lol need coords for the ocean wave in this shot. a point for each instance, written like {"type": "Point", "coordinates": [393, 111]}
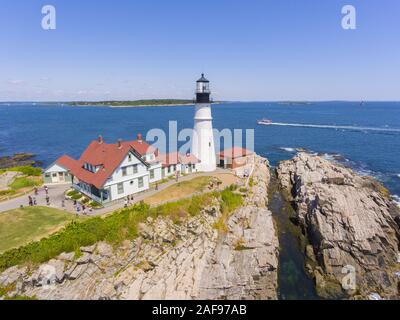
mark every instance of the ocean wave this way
{"type": "Point", "coordinates": [396, 199]}
{"type": "Point", "coordinates": [291, 150]}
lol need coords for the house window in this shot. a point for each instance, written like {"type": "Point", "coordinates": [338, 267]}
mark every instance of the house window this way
{"type": "Point", "coordinates": [169, 169]}
{"type": "Point", "coordinates": [47, 175]}
{"type": "Point", "coordinates": [54, 175]}
{"type": "Point", "coordinates": [129, 157]}
{"type": "Point", "coordinates": [120, 187]}
{"type": "Point", "coordinates": [151, 174]}
{"type": "Point", "coordinates": [124, 172]}
{"type": "Point", "coordinates": [174, 167]}
{"type": "Point", "coordinates": [135, 169]}
{"type": "Point", "coordinates": [140, 182]}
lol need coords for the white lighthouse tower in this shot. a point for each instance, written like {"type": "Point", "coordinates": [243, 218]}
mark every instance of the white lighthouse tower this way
{"type": "Point", "coordinates": [203, 136]}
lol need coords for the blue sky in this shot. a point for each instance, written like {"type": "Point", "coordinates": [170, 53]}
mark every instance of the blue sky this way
{"type": "Point", "coordinates": [249, 49]}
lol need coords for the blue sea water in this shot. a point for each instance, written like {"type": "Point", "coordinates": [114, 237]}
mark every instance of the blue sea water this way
{"type": "Point", "coordinates": [366, 136]}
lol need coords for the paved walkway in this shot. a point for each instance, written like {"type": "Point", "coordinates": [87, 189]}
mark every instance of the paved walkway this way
{"type": "Point", "coordinates": [57, 194]}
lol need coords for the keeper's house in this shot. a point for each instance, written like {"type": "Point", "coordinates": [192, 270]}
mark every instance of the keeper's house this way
{"type": "Point", "coordinates": [107, 172]}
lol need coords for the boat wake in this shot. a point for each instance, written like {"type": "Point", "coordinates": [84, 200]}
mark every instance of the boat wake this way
{"type": "Point", "coordinates": [321, 126]}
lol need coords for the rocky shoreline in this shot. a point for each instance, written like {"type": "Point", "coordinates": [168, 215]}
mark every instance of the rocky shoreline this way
{"type": "Point", "coordinates": [352, 226]}
{"type": "Point", "coordinates": [192, 260]}
{"type": "Point", "coordinates": [16, 160]}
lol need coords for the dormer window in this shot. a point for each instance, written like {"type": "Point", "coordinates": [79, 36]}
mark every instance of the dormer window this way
{"type": "Point", "coordinates": [130, 157]}
{"type": "Point", "coordinates": [90, 167]}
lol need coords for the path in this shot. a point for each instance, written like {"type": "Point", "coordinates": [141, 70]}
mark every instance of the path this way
{"type": "Point", "coordinates": [56, 194]}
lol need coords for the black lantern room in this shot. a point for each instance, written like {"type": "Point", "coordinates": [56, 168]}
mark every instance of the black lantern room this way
{"type": "Point", "coordinates": [203, 90]}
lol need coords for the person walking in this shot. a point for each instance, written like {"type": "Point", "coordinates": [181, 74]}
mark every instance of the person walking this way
{"type": "Point", "coordinates": [34, 201]}
{"type": "Point", "coordinates": [46, 189]}
{"type": "Point", "coordinates": [126, 203]}
{"type": "Point", "coordinates": [30, 201]}
{"type": "Point", "coordinates": [156, 185]}
{"type": "Point", "coordinates": [84, 209]}
{"type": "Point", "coordinates": [47, 200]}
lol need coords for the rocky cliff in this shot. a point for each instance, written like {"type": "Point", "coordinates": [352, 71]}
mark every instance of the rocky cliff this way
{"type": "Point", "coordinates": [350, 223]}
{"type": "Point", "coordinates": [191, 260]}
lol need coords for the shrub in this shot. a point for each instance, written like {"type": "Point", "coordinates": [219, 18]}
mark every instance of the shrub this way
{"type": "Point", "coordinates": [230, 201]}
{"type": "Point", "coordinates": [94, 204]}
{"type": "Point", "coordinates": [72, 193]}
{"type": "Point", "coordinates": [243, 190]}
{"type": "Point", "coordinates": [251, 182]}
{"type": "Point", "coordinates": [76, 196]}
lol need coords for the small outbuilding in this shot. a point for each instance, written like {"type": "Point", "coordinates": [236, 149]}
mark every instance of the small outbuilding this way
{"type": "Point", "coordinates": [235, 157]}
{"type": "Point", "coordinates": [56, 173]}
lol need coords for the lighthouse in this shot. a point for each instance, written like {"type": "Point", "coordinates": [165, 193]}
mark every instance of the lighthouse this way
{"type": "Point", "coordinates": [203, 136]}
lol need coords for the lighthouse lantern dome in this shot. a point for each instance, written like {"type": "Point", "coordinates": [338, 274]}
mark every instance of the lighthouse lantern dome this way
{"type": "Point", "coordinates": [203, 85]}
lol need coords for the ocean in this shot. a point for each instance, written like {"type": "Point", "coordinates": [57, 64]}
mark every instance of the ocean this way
{"type": "Point", "coordinates": [365, 137]}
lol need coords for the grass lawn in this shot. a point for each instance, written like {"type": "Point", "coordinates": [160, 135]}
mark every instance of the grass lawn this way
{"type": "Point", "coordinates": [178, 191]}
{"type": "Point", "coordinates": [20, 226]}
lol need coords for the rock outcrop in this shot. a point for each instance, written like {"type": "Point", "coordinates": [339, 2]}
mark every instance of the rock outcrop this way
{"type": "Point", "coordinates": [350, 222]}
{"type": "Point", "coordinates": [191, 260]}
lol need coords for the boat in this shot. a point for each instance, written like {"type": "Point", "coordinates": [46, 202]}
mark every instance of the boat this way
{"type": "Point", "coordinates": [264, 122]}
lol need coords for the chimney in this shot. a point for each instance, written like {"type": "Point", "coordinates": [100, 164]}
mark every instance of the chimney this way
{"type": "Point", "coordinates": [139, 138]}
{"type": "Point", "coordinates": [119, 143]}
{"type": "Point", "coordinates": [100, 139]}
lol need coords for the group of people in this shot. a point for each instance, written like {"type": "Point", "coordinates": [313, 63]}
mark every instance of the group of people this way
{"type": "Point", "coordinates": [128, 201]}
{"type": "Point", "coordinates": [79, 207]}
{"type": "Point", "coordinates": [32, 199]}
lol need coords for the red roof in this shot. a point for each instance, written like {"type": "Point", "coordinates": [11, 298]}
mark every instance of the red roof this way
{"type": "Point", "coordinates": [106, 156]}
{"type": "Point", "coordinates": [141, 146]}
{"type": "Point", "coordinates": [175, 158]}
{"type": "Point", "coordinates": [235, 152]}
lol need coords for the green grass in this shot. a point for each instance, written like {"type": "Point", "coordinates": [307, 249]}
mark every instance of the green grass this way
{"type": "Point", "coordinates": [113, 228]}
{"type": "Point", "coordinates": [26, 170]}
{"type": "Point", "coordinates": [24, 182]}
{"type": "Point", "coordinates": [19, 226]}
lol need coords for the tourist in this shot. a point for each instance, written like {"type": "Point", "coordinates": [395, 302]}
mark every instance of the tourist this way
{"type": "Point", "coordinates": [156, 185]}
{"type": "Point", "coordinates": [78, 208]}
{"type": "Point", "coordinates": [30, 201]}
{"type": "Point", "coordinates": [34, 201]}
{"type": "Point", "coordinates": [48, 200]}
{"type": "Point", "coordinates": [84, 209]}
{"type": "Point", "coordinates": [46, 189]}
{"type": "Point", "coordinates": [126, 203]}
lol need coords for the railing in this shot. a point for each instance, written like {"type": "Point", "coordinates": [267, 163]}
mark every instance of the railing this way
{"type": "Point", "coordinates": [85, 192]}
